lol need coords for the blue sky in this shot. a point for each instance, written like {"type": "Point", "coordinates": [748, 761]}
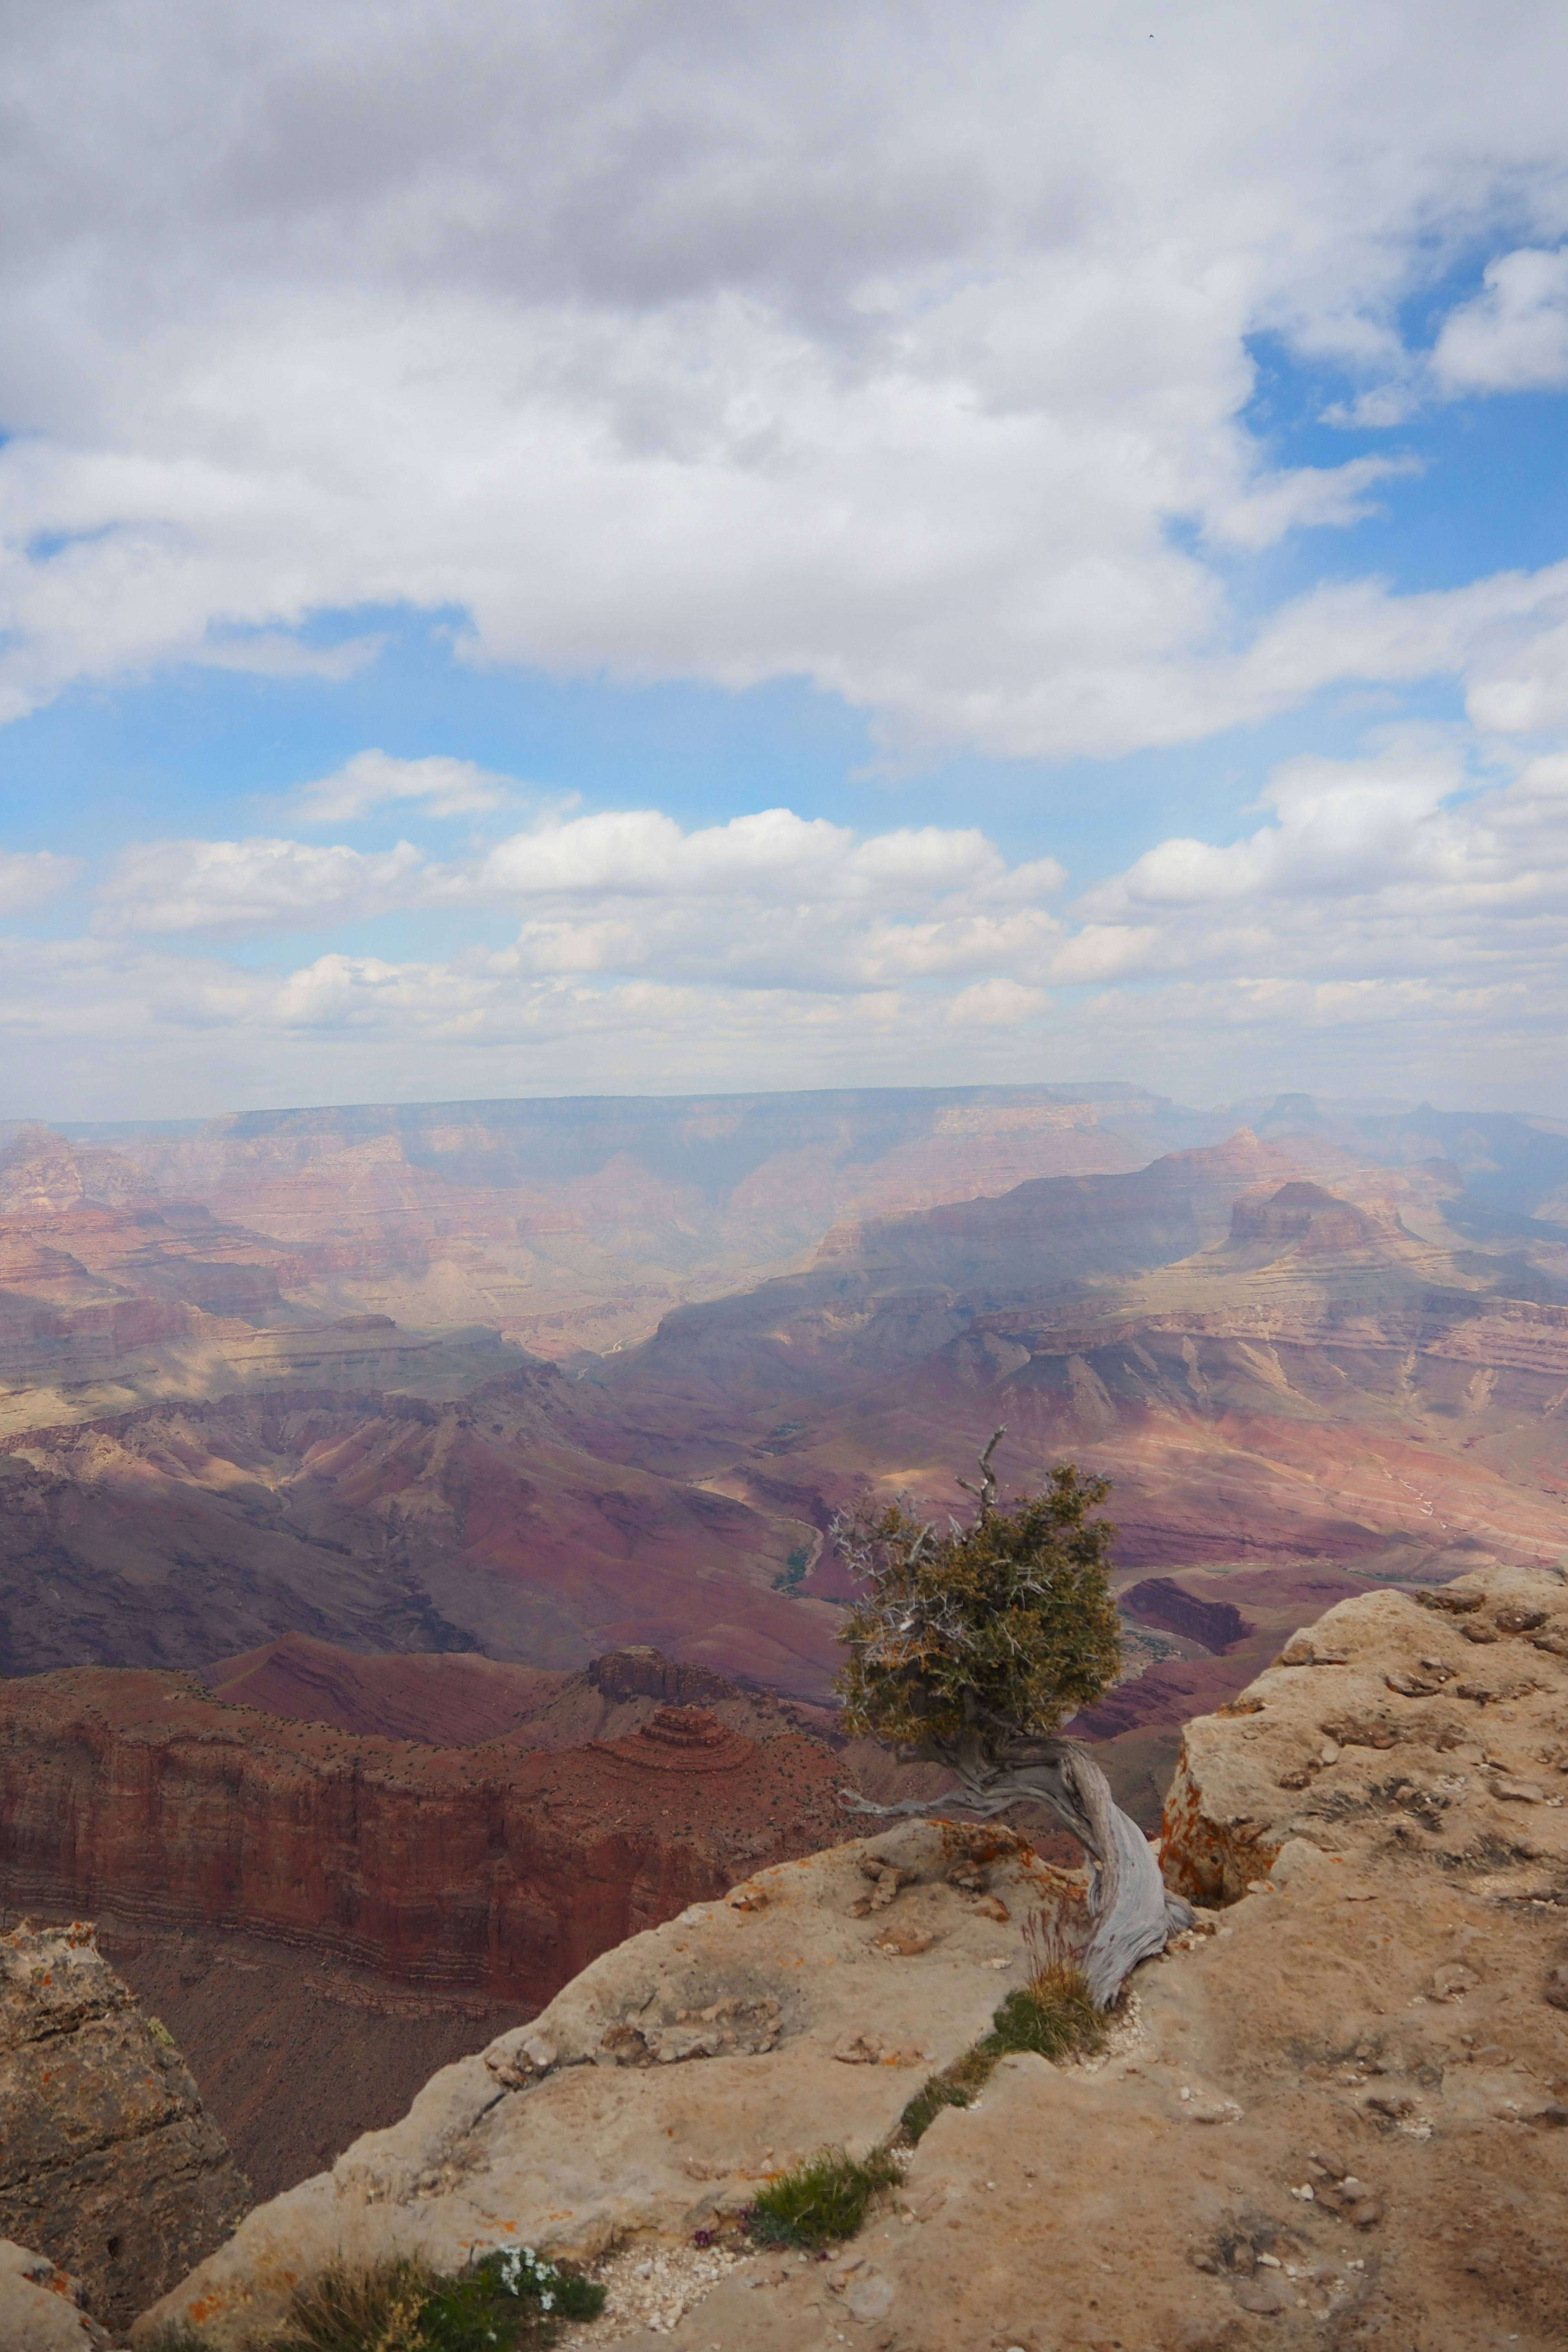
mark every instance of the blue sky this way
{"type": "Point", "coordinates": [549, 551]}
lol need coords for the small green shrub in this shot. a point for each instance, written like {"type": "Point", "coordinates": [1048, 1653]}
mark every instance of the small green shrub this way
{"type": "Point", "coordinates": [508, 2300]}
{"type": "Point", "coordinates": [954, 2087]}
{"type": "Point", "coordinates": [822, 2200]}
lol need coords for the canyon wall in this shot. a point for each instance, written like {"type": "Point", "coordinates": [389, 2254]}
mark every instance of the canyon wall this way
{"type": "Point", "coordinates": [498, 1869]}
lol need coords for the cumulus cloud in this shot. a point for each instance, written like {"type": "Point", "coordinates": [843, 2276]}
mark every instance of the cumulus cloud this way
{"type": "Point", "coordinates": [1397, 867]}
{"type": "Point", "coordinates": [772, 900]}
{"type": "Point", "coordinates": [29, 878]}
{"type": "Point", "coordinates": [226, 886]}
{"type": "Point", "coordinates": [185, 1032]}
{"type": "Point", "coordinates": [1514, 336]}
{"type": "Point", "coordinates": [439, 786]}
{"type": "Point", "coordinates": [673, 345]}
{"type": "Point", "coordinates": [767, 899]}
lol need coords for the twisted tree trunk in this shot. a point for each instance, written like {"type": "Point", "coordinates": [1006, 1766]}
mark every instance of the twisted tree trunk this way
{"type": "Point", "coordinates": [1133, 1912]}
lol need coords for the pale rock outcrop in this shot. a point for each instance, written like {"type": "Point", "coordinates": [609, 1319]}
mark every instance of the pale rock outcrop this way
{"type": "Point", "coordinates": [674, 2075]}
{"type": "Point", "coordinates": [1436, 1720]}
{"type": "Point", "coordinates": [1331, 2118]}
{"type": "Point", "coordinates": [1334, 2119]}
{"type": "Point", "coordinates": [107, 2160]}
{"type": "Point", "coordinates": [41, 2307]}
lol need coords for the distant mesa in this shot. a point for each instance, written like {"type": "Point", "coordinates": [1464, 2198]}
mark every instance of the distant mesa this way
{"type": "Point", "coordinates": [1160, 1601]}
{"type": "Point", "coordinates": [1303, 1215]}
{"type": "Point", "coordinates": [639, 1671]}
{"type": "Point", "coordinates": [683, 1740]}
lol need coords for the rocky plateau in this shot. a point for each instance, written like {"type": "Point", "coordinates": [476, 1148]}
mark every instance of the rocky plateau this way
{"type": "Point", "coordinates": [1330, 2116]}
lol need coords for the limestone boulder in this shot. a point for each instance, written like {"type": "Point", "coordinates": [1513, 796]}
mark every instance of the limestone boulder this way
{"type": "Point", "coordinates": [42, 2308]}
{"type": "Point", "coordinates": [1434, 1719]}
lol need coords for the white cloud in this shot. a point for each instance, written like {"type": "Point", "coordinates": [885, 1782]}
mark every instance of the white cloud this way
{"type": "Point", "coordinates": [767, 901]}
{"type": "Point", "coordinates": [31, 878]}
{"type": "Point", "coordinates": [821, 344]}
{"type": "Point", "coordinates": [772, 900]}
{"type": "Point", "coordinates": [1399, 916]}
{"type": "Point", "coordinates": [1394, 870]}
{"type": "Point", "coordinates": [226, 886]}
{"type": "Point", "coordinates": [1514, 336]}
{"type": "Point", "coordinates": [441, 786]}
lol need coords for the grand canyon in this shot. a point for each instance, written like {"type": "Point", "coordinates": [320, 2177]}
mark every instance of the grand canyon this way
{"type": "Point", "coordinates": [418, 1571]}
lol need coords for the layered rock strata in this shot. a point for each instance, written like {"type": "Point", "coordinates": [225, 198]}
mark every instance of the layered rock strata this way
{"type": "Point", "coordinates": [500, 1869]}
{"type": "Point", "coordinates": [108, 2163]}
{"type": "Point", "coordinates": [1335, 2118]}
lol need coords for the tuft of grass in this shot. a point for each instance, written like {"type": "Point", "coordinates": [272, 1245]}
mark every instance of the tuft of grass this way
{"type": "Point", "coordinates": [1054, 2015]}
{"type": "Point", "coordinates": [512, 2300]}
{"type": "Point", "coordinates": [821, 2201]}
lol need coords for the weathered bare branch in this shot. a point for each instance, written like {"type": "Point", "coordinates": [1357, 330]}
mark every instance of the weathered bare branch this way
{"type": "Point", "coordinates": [986, 1489]}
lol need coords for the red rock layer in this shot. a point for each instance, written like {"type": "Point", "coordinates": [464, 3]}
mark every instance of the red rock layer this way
{"type": "Point", "coordinates": [135, 1796]}
{"type": "Point", "coordinates": [1160, 1601]}
{"type": "Point", "coordinates": [442, 1698]}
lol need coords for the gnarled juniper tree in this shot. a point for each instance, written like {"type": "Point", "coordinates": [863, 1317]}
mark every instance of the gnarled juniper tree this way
{"type": "Point", "coordinates": [970, 1648]}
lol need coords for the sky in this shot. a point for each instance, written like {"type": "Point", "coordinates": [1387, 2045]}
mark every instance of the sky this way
{"type": "Point", "coordinates": [655, 546]}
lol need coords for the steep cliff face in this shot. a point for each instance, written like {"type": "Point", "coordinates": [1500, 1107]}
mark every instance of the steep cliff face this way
{"type": "Point", "coordinates": [108, 2162]}
{"type": "Point", "coordinates": [1160, 1601]}
{"type": "Point", "coordinates": [498, 1868]}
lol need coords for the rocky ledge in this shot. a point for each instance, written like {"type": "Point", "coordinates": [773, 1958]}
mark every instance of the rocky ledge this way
{"type": "Point", "coordinates": [108, 2162]}
{"type": "Point", "coordinates": [1331, 2119]}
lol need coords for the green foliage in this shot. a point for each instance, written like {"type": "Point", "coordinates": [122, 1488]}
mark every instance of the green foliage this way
{"type": "Point", "coordinates": [822, 2200]}
{"type": "Point", "coordinates": [955, 2086]}
{"type": "Point", "coordinates": [990, 1632]}
{"type": "Point", "coordinates": [1054, 2016]}
{"type": "Point", "coordinates": [790, 1576]}
{"type": "Point", "coordinates": [508, 2300]}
